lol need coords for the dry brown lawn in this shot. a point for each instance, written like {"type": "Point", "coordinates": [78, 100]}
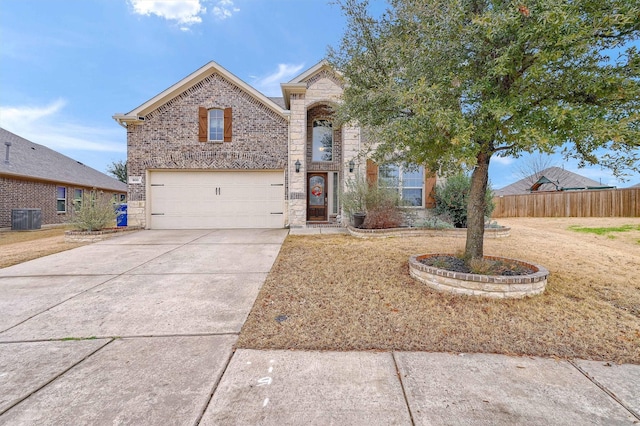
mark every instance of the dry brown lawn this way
{"type": "Point", "coordinates": [20, 246]}
{"type": "Point", "coordinates": [337, 292]}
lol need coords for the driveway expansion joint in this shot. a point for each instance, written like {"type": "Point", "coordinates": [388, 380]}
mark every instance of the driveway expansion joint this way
{"type": "Point", "coordinates": [404, 391]}
{"type": "Point", "coordinates": [604, 389]}
{"type": "Point", "coordinates": [56, 376]}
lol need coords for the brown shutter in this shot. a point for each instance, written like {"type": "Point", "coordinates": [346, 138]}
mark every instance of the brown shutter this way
{"type": "Point", "coordinates": [203, 123]}
{"type": "Point", "coordinates": [228, 125]}
{"type": "Point", "coordinates": [429, 189]}
{"type": "Point", "coordinates": [372, 173]}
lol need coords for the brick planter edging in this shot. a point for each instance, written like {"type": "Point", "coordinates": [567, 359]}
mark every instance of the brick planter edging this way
{"type": "Point", "coordinates": [500, 232]}
{"type": "Point", "coordinates": [94, 236]}
{"type": "Point", "coordinates": [495, 286]}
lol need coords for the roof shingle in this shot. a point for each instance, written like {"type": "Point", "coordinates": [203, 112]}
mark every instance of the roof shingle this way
{"type": "Point", "coordinates": [34, 161]}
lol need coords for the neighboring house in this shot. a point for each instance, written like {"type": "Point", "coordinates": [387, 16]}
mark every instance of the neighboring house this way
{"type": "Point", "coordinates": [550, 179]}
{"type": "Point", "coordinates": [213, 152]}
{"type": "Point", "coordinates": [33, 176]}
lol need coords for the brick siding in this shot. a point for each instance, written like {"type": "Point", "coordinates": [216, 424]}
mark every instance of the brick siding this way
{"type": "Point", "coordinates": [168, 138]}
{"type": "Point", "coordinates": [32, 194]}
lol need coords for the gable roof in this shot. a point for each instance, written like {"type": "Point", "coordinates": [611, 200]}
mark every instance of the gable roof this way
{"type": "Point", "coordinates": [33, 161]}
{"type": "Point", "coordinates": [137, 114]}
{"type": "Point", "coordinates": [299, 83]}
{"type": "Point", "coordinates": [553, 176]}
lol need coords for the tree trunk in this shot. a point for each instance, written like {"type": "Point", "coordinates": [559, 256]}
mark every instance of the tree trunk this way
{"type": "Point", "coordinates": [476, 207]}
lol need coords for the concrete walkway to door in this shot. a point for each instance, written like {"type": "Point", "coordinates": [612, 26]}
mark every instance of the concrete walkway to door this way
{"type": "Point", "coordinates": [137, 329]}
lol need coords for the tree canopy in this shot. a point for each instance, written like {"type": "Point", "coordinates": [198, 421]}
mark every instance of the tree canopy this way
{"type": "Point", "coordinates": [450, 83]}
{"type": "Point", "coordinates": [118, 169]}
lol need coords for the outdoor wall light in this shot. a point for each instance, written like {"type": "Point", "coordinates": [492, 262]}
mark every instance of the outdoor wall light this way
{"type": "Point", "coordinates": [351, 166]}
{"type": "Point", "coordinates": [297, 164]}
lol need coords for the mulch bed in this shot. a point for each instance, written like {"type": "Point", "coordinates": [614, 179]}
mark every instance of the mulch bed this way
{"type": "Point", "coordinates": [489, 267]}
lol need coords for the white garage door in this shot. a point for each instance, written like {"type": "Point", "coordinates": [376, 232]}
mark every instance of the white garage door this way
{"type": "Point", "coordinates": [216, 199]}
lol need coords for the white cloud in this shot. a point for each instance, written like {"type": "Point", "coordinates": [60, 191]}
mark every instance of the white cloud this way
{"type": "Point", "coordinates": [270, 84]}
{"type": "Point", "coordinates": [184, 12]}
{"type": "Point", "coordinates": [224, 9]}
{"type": "Point", "coordinates": [505, 161]}
{"type": "Point", "coordinates": [46, 125]}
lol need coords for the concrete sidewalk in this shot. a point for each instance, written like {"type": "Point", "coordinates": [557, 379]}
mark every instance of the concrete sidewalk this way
{"type": "Point", "coordinates": [139, 329]}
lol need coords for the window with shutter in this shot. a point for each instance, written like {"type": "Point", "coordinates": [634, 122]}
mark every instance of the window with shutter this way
{"type": "Point", "coordinates": [214, 124]}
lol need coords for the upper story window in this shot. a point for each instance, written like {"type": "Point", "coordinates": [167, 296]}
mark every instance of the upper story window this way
{"type": "Point", "coordinates": [408, 181]}
{"type": "Point", "coordinates": [322, 141]}
{"type": "Point", "coordinates": [61, 199]}
{"type": "Point", "coordinates": [216, 124]}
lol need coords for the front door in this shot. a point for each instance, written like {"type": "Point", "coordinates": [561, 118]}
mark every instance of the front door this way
{"type": "Point", "coordinates": [317, 190]}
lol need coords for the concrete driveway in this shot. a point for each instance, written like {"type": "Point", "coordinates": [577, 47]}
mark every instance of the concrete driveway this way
{"type": "Point", "coordinates": [137, 329]}
{"type": "Point", "coordinates": [140, 329]}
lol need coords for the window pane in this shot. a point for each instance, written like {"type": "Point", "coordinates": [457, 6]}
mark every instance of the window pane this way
{"type": "Point", "coordinates": [389, 175]}
{"type": "Point", "coordinates": [413, 179]}
{"type": "Point", "coordinates": [61, 206]}
{"type": "Point", "coordinates": [335, 193]}
{"type": "Point", "coordinates": [77, 194]}
{"type": "Point", "coordinates": [412, 197]}
{"type": "Point", "coordinates": [216, 125]}
{"type": "Point", "coordinates": [62, 192]}
{"type": "Point", "coordinates": [322, 138]}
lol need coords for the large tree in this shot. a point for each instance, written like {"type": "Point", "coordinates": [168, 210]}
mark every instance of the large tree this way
{"type": "Point", "coordinates": [451, 83]}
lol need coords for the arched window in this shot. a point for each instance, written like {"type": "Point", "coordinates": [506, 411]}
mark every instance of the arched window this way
{"type": "Point", "coordinates": [322, 138]}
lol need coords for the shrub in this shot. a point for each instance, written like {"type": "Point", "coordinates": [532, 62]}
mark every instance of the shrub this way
{"type": "Point", "coordinates": [435, 222]}
{"type": "Point", "coordinates": [354, 198]}
{"type": "Point", "coordinates": [94, 212]}
{"type": "Point", "coordinates": [383, 211]}
{"type": "Point", "coordinates": [452, 197]}
{"type": "Point", "coordinates": [381, 205]}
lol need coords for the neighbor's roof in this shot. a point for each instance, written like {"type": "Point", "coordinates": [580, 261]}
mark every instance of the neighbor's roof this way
{"type": "Point", "coordinates": [33, 161]}
{"type": "Point", "coordinates": [561, 177]}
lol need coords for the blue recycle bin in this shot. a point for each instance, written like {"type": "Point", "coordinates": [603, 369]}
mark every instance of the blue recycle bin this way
{"type": "Point", "coordinates": [121, 214]}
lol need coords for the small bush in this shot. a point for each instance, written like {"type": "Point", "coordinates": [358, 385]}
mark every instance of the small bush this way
{"type": "Point", "coordinates": [381, 205]}
{"type": "Point", "coordinates": [435, 222]}
{"type": "Point", "coordinates": [383, 216]}
{"type": "Point", "coordinates": [94, 212]}
{"type": "Point", "coordinates": [452, 198]}
{"type": "Point", "coordinates": [354, 198]}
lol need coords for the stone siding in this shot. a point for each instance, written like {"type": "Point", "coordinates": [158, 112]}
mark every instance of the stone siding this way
{"type": "Point", "coordinates": [323, 91]}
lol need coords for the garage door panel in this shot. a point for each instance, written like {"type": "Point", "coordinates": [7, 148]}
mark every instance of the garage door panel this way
{"type": "Point", "coordinates": [205, 200]}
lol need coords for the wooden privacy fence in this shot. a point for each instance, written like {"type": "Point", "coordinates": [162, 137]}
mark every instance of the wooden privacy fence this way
{"type": "Point", "coordinates": [598, 203]}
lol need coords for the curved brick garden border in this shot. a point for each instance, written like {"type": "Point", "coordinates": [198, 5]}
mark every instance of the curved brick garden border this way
{"type": "Point", "coordinates": [500, 232]}
{"type": "Point", "coordinates": [517, 286]}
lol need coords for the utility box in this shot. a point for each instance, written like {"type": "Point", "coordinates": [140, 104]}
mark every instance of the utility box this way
{"type": "Point", "coordinates": [26, 219]}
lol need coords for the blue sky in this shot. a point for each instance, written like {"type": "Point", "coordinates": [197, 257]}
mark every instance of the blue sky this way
{"type": "Point", "coordinates": [67, 66]}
